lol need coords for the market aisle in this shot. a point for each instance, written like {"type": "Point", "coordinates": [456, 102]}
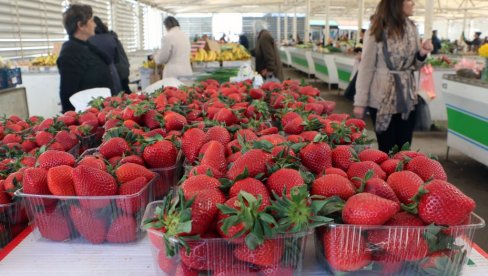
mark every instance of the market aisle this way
{"type": "Point", "coordinates": [469, 175]}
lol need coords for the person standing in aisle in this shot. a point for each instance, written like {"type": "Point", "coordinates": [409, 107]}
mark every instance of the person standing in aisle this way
{"type": "Point", "coordinates": [436, 42]}
{"type": "Point", "coordinates": [106, 43]}
{"type": "Point", "coordinates": [268, 62]}
{"type": "Point", "coordinates": [386, 84]}
{"type": "Point", "coordinates": [80, 64]}
{"type": "Point", "coordinates": [175, 51]}
{"type": "Point", "coordinates": [474, 44]}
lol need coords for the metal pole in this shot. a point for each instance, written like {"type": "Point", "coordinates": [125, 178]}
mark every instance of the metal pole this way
{"type": "Point", "coordinates": [307, 23]}
{"type": "Point", "coordinates": [278, 26]}
{"type": "Point", "coordinates": [429, 18]}
{"type": "Point", "coordinates": [360, 18]}
{"type": "Point", "coordinates": [295, 23]}
{"type": "Point", "coordinates": [285, 34]}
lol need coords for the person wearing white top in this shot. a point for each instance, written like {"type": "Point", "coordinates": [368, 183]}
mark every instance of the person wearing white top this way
{"type": "Point", "coordinates": [175, 51]}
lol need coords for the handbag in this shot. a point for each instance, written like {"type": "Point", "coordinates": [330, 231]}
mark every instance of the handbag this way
{"type": "Point", "coordinates": [351, 88]}
{"type": "Point", "coordinates": [423, 121]}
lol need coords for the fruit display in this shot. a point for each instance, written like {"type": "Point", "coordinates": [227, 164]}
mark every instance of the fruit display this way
{"type": "Point", "coordinates": [229, 52]}
{"type": "Point", "coordinates": [442, 62]}
{"type": "Point", "coordinates": [49, 60]}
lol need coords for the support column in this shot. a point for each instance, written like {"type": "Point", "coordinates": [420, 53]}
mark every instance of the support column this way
{"type": "Point", "coordinates": [429, 18]}
{"type": "Point", "coordinates": [465, 18]}
{"type": "Point", "coordinates": [360, 18]}
{"type": "Point", "coordinates": [278, 27]}
{"type": "Point", "coordinates": [307, 22]}
{"type": "Point", "coordinates": [295, 23]}
{"type": "Point", "coordinates": [285, 23]}
{"type": "Point", "coordinates": [327, 19]}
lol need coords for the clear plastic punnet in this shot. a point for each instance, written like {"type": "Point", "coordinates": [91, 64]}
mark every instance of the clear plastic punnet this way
{"type": "Point", "coordinates": [13, 219]}
{"type": "Point", "coordinates": [395, 250]}
{"type": "Point", "coordinates": [169, 177]}
{"type": "Point", "coordinates": [283, 255]}
{"type": "Point", "coordinates": [92, 219]}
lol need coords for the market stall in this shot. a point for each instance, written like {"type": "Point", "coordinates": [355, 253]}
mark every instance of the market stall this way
{"type": "Point", "coordinates": [42, 87]}
{"type": "Point", "coordinates": [285, 55]}
{"type": "Point", "coordinates": [467, 114]}
{"type": "Point", "coordinates": [301, 59]}
{"type": "Point", "coordinates": [325, 68]}
{"type": "Point", "coordinates": [345, 66]}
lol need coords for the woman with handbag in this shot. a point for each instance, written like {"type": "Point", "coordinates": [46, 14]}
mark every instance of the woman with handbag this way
{"type": "Point", "coordinates": [386, 84]}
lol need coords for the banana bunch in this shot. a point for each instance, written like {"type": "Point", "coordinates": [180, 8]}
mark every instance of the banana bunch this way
{"type": "Point", "coordinates": [211, 56]}
{"type": "Point", "coordinates": [49, 60]}
{"type": "Point", "coordinates": [240, 53]}
{"type": "Point", "coordinates": [149, 64]}
{"type": "Point", "coordinates": [226, 56]}
{"type": "Point", "coordinates": [200, 56]}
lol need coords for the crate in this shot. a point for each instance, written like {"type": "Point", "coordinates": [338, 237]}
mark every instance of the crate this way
{"type": "Point", "coordinates": [13, 219]}
{"type": "Point", "coordinates": [216, 256]}
{"type": "Point", "coordinates": [10, 77]}
{"type": "Point", "coordinates": [99, 219]}
{"type": "Point", "coordinates": [394, 250]}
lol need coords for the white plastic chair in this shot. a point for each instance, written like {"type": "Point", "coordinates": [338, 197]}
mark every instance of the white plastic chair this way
{"type": "Point", "coordinates": [81, 99]}
{"type": "Point", "coordinates": [164, 82]}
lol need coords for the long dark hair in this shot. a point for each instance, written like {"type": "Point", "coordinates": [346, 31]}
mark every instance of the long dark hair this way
{"type": "Point", "coordinates": [101, 28]}
{"type": "Point", "coordinates": [389, 13]}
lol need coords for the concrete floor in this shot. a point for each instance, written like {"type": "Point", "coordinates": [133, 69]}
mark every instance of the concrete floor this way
{"type": "Point", "coordinates": [467, 174]}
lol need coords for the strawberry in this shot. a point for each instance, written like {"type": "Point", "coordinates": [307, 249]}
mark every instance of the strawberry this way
{"type": "Point", "coordinates": [54, 158]}
{"type": "Point", "coordinates": [122, 230]}
{"type": "Point", "coordinates": [294, 138]}
{"type": "Point", "coordinates": [89, 181]}
{"type": "Point", "coordinates": [131, 171]}
{"type": "Point", "coordinates": [288, 117]}
{"type": "Point", "coordinates": [314, 108]}
{"type": "Point", "coordinates": [94, 162]}
{"type": "Point", "coordinates": [407, 154]}
{"type": "Point", "coordinates": [28, 145]}
{"type": "Point", "coordinates": [267, 254]}
{"type": "Point", "coordinates": [359, 170]}
{"type": "Point", "coordinates": [174, 121]}
{"type": "Point", "coordinates": [152, 119]}
{"type": "Point", "coordinates": [295, 126]}
{"type": "Point", "coordinates": [43, 138]}
{"type": "Point", "coordinates": [161, 154]}
{"type": "Point", "coordinates": [53, 225]}
{"type": "Point", "coordinates": [88, 224]}
{"type": "Point", "coordinates": [276, 270]}
{"type": "Point", "coordinates": [116, 146]}
{"type": "Point", "coordinates": [342, 157]}
{"type": "Point", "coordinates": [358, 123]}
{"type": "Point", "coordinates": [333, 185]}
{"type": "Point", "coordinates": [131, 205]}
{"type": "Point", "coordinates": [284, 179]}
{"type": "Point", "coordinates": [35, 181]}
{"type": "Point", "coordinates": [427, 168]}
{"type": "Point", "coordinates": [342, 254]}
{"type": "Point", "coordinates": [246, 134]}
{"type": "Point", "coordinates": [136, 159]}
{"type": "Point", "coordinates": [206, 170]}
{"type": "Point", "coordinates": [56, 146]}
{"type": "Point", "coordinates": [12, 138]}
{"type": "Point", "coordinates": [309, 136]}
{"type": "Point", "coordinates": [225, 115]}
{"type": "Point", "coordinates": [68, 140]}
{"type": "Point", "coordinates": [316, 156]}
{"type": "Point", "coordinates": [338, 117]}
{"type": "Point", "coordinates": [405, 184]}
{"type": "Point", "coordinates": [204, 210]}
{"type": "Point", "coordinates": [13, 182]}
{"type": "Point", "coordinates": [218, 133]}
{"type": "Point", "coordinates": [444, 204]}
{"type": "Point", "coordinates": [60, 181]}
{"type": "Point", "coordinates": [335, 171]}
{"type": "Point", "coordinates": [183, 270]}
{"type": "Point", "coordinates": [195, 184]}
{"type": "Point", "coordinates": [368, 209]}
{"type": "Point", "coordinates": [215, 156]}
{"type": "Point", "coordinates": [4, 196]}
{"type": "Point", "coordinates": [168, 265]}
{"type": "Point", "coordinates": [255, 161]}
{"type": "Point", "coordinates": [206, 255]}
{"type": "Point", "coordinates": [191, 142]}
{"type": "Point", "coordinates": [380, 188]}
{"type": "Point", "coordinates": [374, 155]}
{"type": "Point", "coordinates": [256, 93]}
{"type": "Point", "coordinates": [252, 186]}
{"type": "Point", "coordinates": [389, 166]}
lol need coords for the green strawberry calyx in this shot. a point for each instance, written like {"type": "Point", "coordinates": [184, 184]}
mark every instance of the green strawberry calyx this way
{"type": "Point", "coordinates": [413, 207]}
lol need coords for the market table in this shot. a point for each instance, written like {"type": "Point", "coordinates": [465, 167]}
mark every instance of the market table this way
{"type": "Point", "coordinates": [301, 59]}
{"type": "Point", "coordinates": [467, 112]}
{"type": "Point", "coordinates": [42, 88]}
{"type": "Point", "coordinates": [27, 256]}
{"type": "Point", "coordinates": [325, 68]}
{"type": "Point", "coordinates": [345, 65]}
{"type": "Point", "coordinates": [285, 55]}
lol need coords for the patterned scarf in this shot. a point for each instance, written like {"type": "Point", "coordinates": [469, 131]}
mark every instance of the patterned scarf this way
{"type": "Point", "coordinates": [400, 96]}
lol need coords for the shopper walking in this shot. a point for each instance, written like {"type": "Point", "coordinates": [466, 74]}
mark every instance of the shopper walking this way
{"type": "Point", "coordinates": [80, 64]}
{"type": "Point", "coordinates": [175, 51]}
{"type": "Point", "coordinates": [268, 62]}
{"type": "Point", "coordinates": [436, 42]}
{"type": "Point", "coordinates": [386, 84]}
{"type": "Point", "coordinates": [106, 43]}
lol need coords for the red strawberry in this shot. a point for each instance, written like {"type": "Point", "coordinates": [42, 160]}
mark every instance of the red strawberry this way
{"type": "Point", "coordinates": [152, 119]}
{"type": "Point", "coordinates": [205, 169]}
{"type": "Point", "coordinates": [233, 230]}
{"type": "Point", "coordinates": [389, 166]}
{"type": "Point", "coordinates": [338, 117]}
{"type": "Point", "coordinates": [288, 117]}
{"type": "Point", "coordinates": [89, 181]}
{"type": "Point", "coordinates": [316, 157]}
{"type": "Point", "coordinates": [174, 121]}
{"type": "Point", "coordinates": [122, 230]}
{"type": "Point", "coordinates": [407, 154]}
{"type": "Point", "coordinates": [254, 160]}
{"type": "Point", "coordinates": [368, 209]}
{"type": "Point", "coordinates": [28, 161]}
{"type": "Point", "coordinates": [335, 171]}
{"type": "Point", "coordinates": [284, 179]}
{"type": "Point", "coordinates": [89, 225]}
{"type": "Point", "coordinates": [256, 93]}
{"type": "Point", "coordinates": [56, 146]}
{"type": "Point", "coordinates": [161, 154]}
{"type": "Point", "coordinates": [136, 159]}
{"type": "Point", "coordinates": [53, 225]}
{"type": "Point", "coordinates": [333, 185]}
{"type": "Point", "coordinates": [183, 270]}
{"type": "Point", "coordinates": [131, 171]}
{"type": "Point", "coordinates": [43, 138]}
{"type": "Point", "coordinates": [309, 136]}
{"type": "Point", "coordinates": [342, 254]}
{"type": "Point", "coordinates": [132, 204]}
{"type": "Point", "coordinates": [252, 186]}
{"type": "Point", "coordinates": [359, 169]}
{"type": "Point", "coordinates": [358, 123]}
{"type": "Point", "coordinates": [427, 168]}
{"type": "Point", "coordinates": [195, 184]}
{"type": "Point", "coordinates": [315, 108]}
{"type": "Point", "coordinates": [191, 142]}
{"type": "Point", "coordinates": [54, 158]}
{"type": "Point", "coordinates": [444, 204]}
{"type": "Point", "coordinates": [12, 138]}
{"type": "Point", "coordinates": [405, 184]}
{"type": "Point", "coordinates": [4, 196]}
{"type": "Point", "coordinates": [342, 157]}
{"type": "Point", "coordinates": [294, 138]}
{"type": "Point", "coordinates": [35, 181]}
{"type": "Point", "coordinates": [60, 181]}
{"type": "Point", "coordinates": [225, 115]}
{"type": "Point", "coordinates": [68, 140]}
{"type": "Point", "coordinates": [94, 162]}
{"type": "Point", "coordinates": [13, 182]}
{"type": "Point", "coordinates": [276, 270]}
{"type": "Point", "coordinates": [374, 155]}
{"type": "Point", "coordinates": [204, 210]}
{"type": "Point", "coordinates": [205, 255]}
{"type": "Point", "coordinates": [380, 188]}
{"type": "Point", "coordinates": [295, 126]}
{"type": "Point", "coordinates": [114, 147]}
{"type": "Point", "coordinates": [28, 145]}
{"type": "Point", "coordinates": [246, 134]}
{"type": "Point", "coordinates": [218, 133]}
{"type": "Point", "coordinates": [266, 254]}
{"type": "Point", "coordinates": [168, 265]}
{"type": "Point", "coordinates": [215, 156]}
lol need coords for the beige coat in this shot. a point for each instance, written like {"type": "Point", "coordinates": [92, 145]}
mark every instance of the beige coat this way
{"type": "Point", "coordinates": [175, 54]}
{"type": "Point", "coordinates": [373, 74]}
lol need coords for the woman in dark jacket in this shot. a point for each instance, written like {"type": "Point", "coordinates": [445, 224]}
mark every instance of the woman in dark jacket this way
{"type": "Point", "coordinates": [81, 65]}
{"type": "Point", "coordinates": [268, 62]}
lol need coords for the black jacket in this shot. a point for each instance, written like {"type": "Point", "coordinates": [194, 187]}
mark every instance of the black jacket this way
{"type": "Point", "coordinates": [108, 45]}
{"type": "Point", "coordinates": [81, 66]}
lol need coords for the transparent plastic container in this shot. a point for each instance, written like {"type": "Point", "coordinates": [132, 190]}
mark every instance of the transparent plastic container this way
{"type": "Point", "coordinates": [93, 219]}
{"type": "Point", "coordinates": [218, 256]}
{"type": "Point", "coordinates": [395, 250]}
{"type": "Point", "coordinates": [169, 177]}
{"type": "Point", "coordinates": [13, 219]}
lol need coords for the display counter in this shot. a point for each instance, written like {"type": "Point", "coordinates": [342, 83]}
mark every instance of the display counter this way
{"type": "Point", "coordinates": [42, 88]}
{"type": "Point", "coordinates": [325, 68]}
{"type": "Point", "coordinates": [13, 101]}
{"type": "Point", "coordinates": [301, 59]}
{"type": "Point", "coordinates": [345, 66]}
{"type": "Point", "coordinates": [285, 55]}
{"type": "Point", "coordinates": [467, 115]}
